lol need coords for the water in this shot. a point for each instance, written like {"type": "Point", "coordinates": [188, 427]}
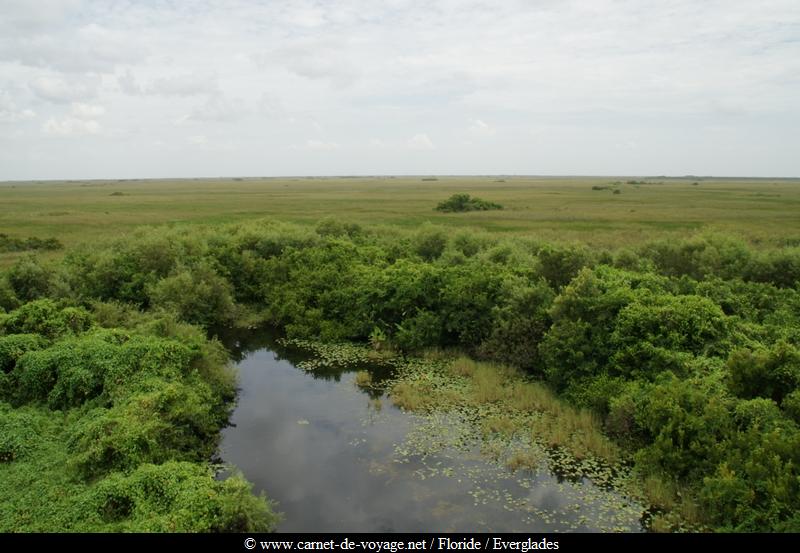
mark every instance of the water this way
{"type": "Point", "coordinates": [336, 459]}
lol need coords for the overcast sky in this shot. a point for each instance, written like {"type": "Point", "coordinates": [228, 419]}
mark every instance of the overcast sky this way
{"type": "Point", "coordinates": [94, 89]}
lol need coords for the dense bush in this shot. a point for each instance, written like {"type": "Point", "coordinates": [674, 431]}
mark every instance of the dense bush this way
{"type": "Point", "coordinates": [112, 429]}
{"type": "Point", "coordinates": [464, 202]}
{"type": "Point", "coordinates": [689, 349]}
{"type": "Point", "coordinates": [14, 244]}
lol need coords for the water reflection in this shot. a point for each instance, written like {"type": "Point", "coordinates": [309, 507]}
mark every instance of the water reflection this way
{"type": "Point", "coordinates": [328, 454]}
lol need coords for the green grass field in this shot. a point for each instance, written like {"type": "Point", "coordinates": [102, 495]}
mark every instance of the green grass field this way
{"type": "Point", "coordinates": [762, 211]}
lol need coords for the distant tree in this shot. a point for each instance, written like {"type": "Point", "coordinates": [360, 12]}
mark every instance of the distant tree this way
{"type": "Point", "coordinates": [463, 202]}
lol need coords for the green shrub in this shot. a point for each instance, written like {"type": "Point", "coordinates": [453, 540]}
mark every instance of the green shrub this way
{"type": "Point", "coordinates": [560, 264]}
{"type": "Point", "coordinates": [13, 346]}
{"type": "Point", "coordinates": [198, 296]}
{"type": "Point", "coordinates": [422, 330]}
{"type": "Point", "coordinates": [18, 433]}
{"type": "Point", "coordinates": [430, 242]}
{"type": "Point", "coordinates": [519, 325]}
{"type": "Point", "coordinates": [772, 374]}
{"type": "Point", "coordinates": [157, 422]}
{"type": "Point", "coordinates": [458, 203]}
{"type": "Point", "coordinates": [8, 299]}
{"type": "Point", "coordinates": [176, 497]}
{"type": "Point", "coordinates": [29, 279]}
{"type": "Point", "coordinates": [45, 317]}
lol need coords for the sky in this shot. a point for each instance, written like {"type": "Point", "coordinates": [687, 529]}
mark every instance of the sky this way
{"type": "Point", "coordinates": [204, 88]}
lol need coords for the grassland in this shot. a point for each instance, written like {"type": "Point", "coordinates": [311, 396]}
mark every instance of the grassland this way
{"type": "Point", "coordinates": [765, 211]}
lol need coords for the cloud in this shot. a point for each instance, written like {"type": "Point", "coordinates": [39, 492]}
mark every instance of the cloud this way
{"type": "Point", "coordinates": [87, 111]}
{"type": "Point", "coordinates": [219, 109]}
{"type": "Point", "coordinates": [12, 115]}
{"type": "Point", "coordinates": [61, 90]}
{"type": "Point", "coordinates": [128, 84]}
{"type": "Point", "coordinates": [81, 121]}
{"type": "Point", "coordinates": [420, 142]}
{"type": "Point", "coordinates": [10, 112]}
{"type": "Point", "coordinates": [321, 145]}
{"type": "Point", "coordinates": [70, 126]}
{"type": "Point", "coordinates": [475, 75]}
{"type": "Point", "coordinates": [317, 58]}
{"type": "Point", "coordinates": [187, 84]}
{"type": "Point", "coordinates": [479, 129]}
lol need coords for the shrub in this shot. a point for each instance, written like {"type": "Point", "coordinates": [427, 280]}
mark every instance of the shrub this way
{"type": "Point", "coordinates": [176, 497]}
{"type": "Point", "coordinates": [422, 330]}
{"type": "Point", "coordinates": [198, 295]}
{"type": "Point", "coordinates": [560, 264]}
{"type": "Point", "coordinates": [519, 325]}
{"type": "Point", "coordinates": [14, 346]}
{"type": "Point", "coordinates": [458, 203]}
{"type": "Point", "coordinates": [430, 242]}
{"type": "Point", "coordinates": [29, 279]}
{"type": "Point", "coordinates": [157, 422]}
{"type": "Point", "coordinates": [773, 374]}
{"type": "Point", "coordinates": [46, 318]}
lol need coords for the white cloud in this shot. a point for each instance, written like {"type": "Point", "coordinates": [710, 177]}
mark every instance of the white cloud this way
{"type": "Point", "coordinates": [70, 126]}
{"type": "Point", "coordinates": [10, 112]}
{"type": "Point", "coordinates": [256, 78]}
{"type": "Point", "coordinates": [219, 109]}
{"type": "Point", "coordinates": [87, 111]}
{"type": "Point", "coordinates": [128, 84]}
{"type": "Point", "coordinates": [321, 145]}
{"type": "Point", "coordinates": [480, 129]}
{"type": "Point", "coordinates": [187, 84]}
{"type": "Point", "coordinates": [64, 90]}
{"type": "Point", "coordinates": [420, 142]}
{"type": "Point", "coordinates": [12, 115]}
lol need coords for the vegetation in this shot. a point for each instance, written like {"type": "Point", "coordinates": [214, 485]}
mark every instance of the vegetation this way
{"type": "Point", "coordinates": [13, 244]}
{"type": "Point", "coordinates": [458, 203]}
{"type": "Point", "coordinates": [554, 209]}
{"type": "Point", "coordinates": [112, 429]}
{"type": "Point", "coordinates": [684, 350]}
{"type": "Point", "coordinates": [505, 401]}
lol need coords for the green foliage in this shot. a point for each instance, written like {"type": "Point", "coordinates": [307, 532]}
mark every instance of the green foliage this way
{"type": "Point", "coordinates": [660, 333]}
{"type": "Point", "coordinates": [177, 497]}
{"type": "Point", "coordinates": [155, 423]}
{"type": "Point", "coordinates": [29, 279]}
{"type": "Point", "coordinates": [559, 265]}
{"type": "Point", "coordinates": [791, 406]}
{"type": "Point", "coordinates": [18, 433]}
{"type": "Point", "coordinates": [579, 342]}
{"type": "Point", "coordinates": [429, 242]}
{"type": "Point", "coordinates": [117, 425]}
{"type": "Point", "coordinates": [458, 203]}
{"type": "Point", "coordinates": [14, 346]}
{"type": "Point", "coordinates": [688, 349]}
{"type": "Point", "coordinates": [422, 330]}
{"type": "Point", "coordinates": [198, 296]}
{"type": "Point", "coordinates": [684, 423]}
{"type": "Point", "coordinates": [779, 267]}
{"type": "Point", "coordinates": [332, 227]}
{"type": "Point", "coordinates": [8, 299]}
{"type": "Point", "coordinates": [771, 374]}
{"type": "Point", "coordinates": [519, 325]}
{"type": "Point", "coordinates": [14, 244]}
{"type": "Point", "coordinates": [45, 317]}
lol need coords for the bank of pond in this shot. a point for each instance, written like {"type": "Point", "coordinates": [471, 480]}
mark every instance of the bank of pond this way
{"type": "Point", "coordinates": [424, 380]}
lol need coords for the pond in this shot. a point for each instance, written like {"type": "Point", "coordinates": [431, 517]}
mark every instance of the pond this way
{"type": "Point", "coordinates": [336, 458]}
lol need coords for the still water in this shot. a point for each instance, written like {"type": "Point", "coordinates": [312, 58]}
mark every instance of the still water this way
{"type": "Point", "coordinates": [336, 459]}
